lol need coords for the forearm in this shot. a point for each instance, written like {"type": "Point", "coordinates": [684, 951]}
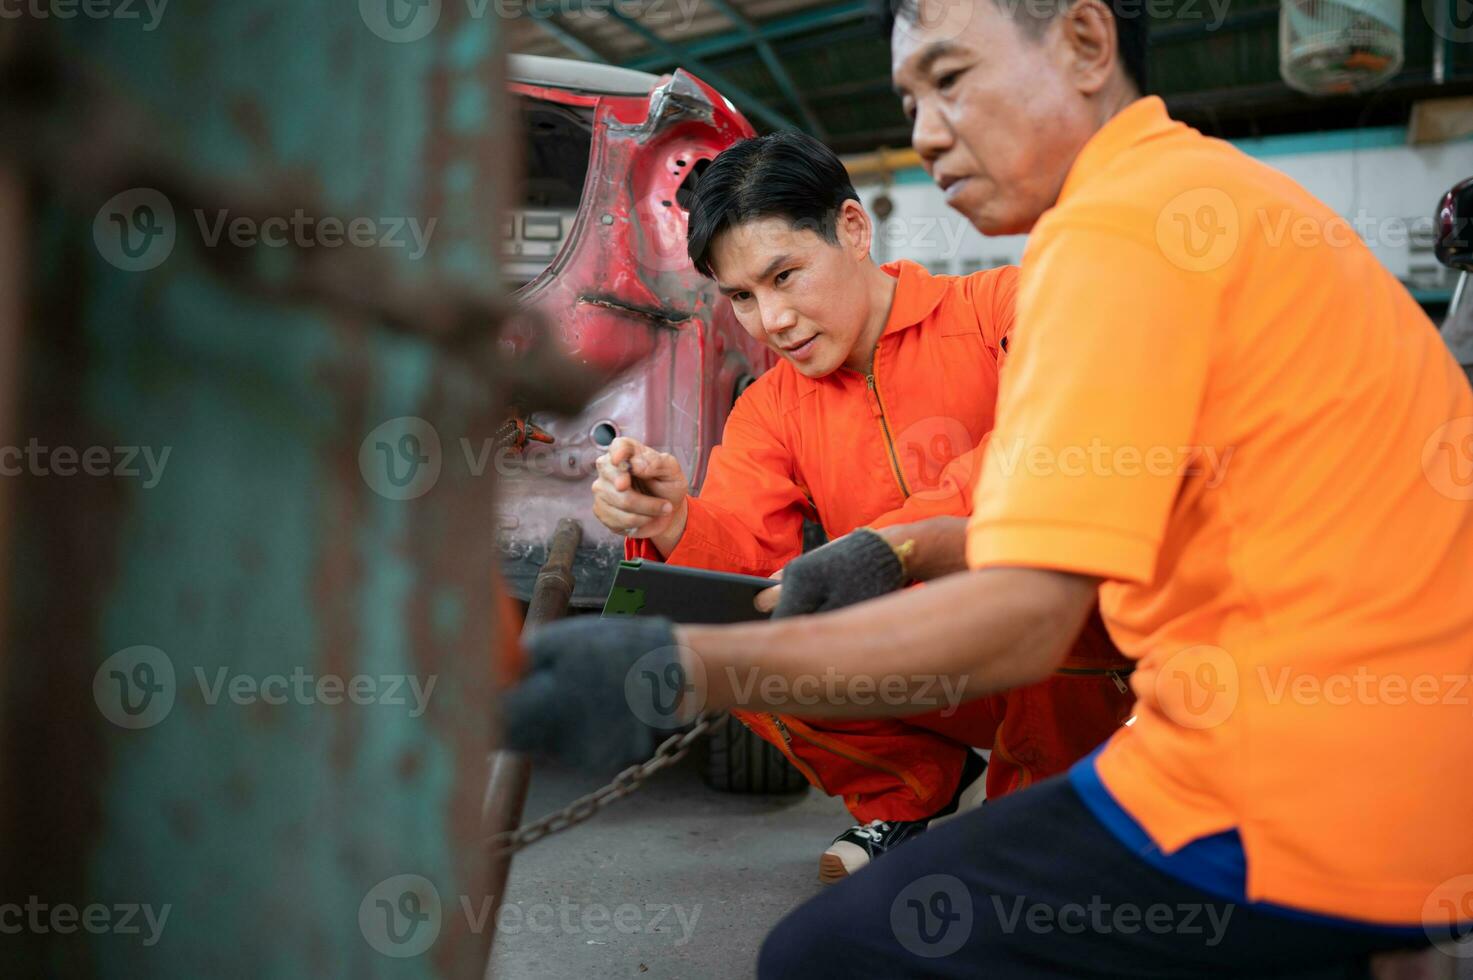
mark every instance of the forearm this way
{"type": "Point", "coordinates": [940, 547]}
{"type": "Point", "coordinates": [963, 637]}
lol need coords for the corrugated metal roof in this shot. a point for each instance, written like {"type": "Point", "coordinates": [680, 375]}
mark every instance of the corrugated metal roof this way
{"type": "Point", "coordinates": [821, 65]}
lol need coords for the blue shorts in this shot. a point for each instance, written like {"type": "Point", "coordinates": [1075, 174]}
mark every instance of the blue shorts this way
{"type": "Point", "coordinates": [1034, 886]}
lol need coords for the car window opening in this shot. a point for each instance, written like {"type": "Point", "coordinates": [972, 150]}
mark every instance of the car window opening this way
{"type": "Point", "coordinates": [557, 140]}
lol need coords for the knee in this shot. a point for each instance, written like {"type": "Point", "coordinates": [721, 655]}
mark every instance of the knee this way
{"type": "Point", "coordinates": [798, 946]}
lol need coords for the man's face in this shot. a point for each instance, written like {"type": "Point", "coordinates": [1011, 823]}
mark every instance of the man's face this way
{"type": "Point", "coordinates": [996, 116]}
{"type": "Point", "coordinates": [798, 294]}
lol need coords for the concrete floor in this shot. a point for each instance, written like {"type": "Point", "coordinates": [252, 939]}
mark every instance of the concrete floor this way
{"type": "Point", "coordinates": [674, 882]}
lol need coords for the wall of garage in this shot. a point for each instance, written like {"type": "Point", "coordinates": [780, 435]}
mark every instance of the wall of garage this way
{"type": "Point", "coordinates": [1385, 188]}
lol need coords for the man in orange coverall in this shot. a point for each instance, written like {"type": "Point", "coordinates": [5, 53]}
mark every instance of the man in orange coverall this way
{"type": "Point", "coordinates": [872, 420]}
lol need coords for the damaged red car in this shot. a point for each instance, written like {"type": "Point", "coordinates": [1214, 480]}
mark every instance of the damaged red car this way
{"type": "Point", "coordinates": [596, 247]}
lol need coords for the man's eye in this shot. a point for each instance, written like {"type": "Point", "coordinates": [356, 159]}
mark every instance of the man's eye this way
{"type": "Point", "coordinates": [782, 277]}
{"type": "Point", "coordinates": [740, 297]}
{"type": "Point", "coordinates": [948, 80]}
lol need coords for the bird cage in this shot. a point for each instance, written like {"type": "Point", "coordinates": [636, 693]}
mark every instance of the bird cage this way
{"type": "Point", "coordinates": [1329, 47]}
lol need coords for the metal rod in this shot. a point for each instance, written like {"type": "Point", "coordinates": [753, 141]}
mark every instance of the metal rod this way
{"type": "Point", "coordinates": [506, 789]}
{"type": "Point", "coordinates": [1442, 41]}
{"type": "Point", "coordinates": [774, 66]}
{"type": "Point", "coordinates": [554, 586]}
{"type": "Point", "coordinates": [506, 796]}
{"type": "Point", "coordinates": [746, 100]}
{"type": "Point", "coordinates": [809, 20]}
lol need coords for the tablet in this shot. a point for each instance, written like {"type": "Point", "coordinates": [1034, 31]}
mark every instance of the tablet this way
{"type": "Point", "coordinates": [684, 595]}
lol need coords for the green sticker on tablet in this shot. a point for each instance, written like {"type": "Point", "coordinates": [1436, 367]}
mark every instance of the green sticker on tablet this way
{"type": "Point", "coordinates": [685, 595]}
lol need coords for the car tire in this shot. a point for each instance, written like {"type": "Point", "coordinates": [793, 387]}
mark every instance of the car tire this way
{"type": "Point", "coordinates": [738, 761]}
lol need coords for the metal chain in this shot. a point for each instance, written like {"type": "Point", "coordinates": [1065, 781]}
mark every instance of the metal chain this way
{"type": "Point", "coordinates": [671, 751]}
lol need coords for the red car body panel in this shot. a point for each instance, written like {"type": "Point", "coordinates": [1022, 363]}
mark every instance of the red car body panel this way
{"type": "Point", "coordinates": [623, 297]}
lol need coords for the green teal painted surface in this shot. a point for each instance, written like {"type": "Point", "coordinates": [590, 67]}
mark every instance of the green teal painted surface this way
{"type": "Point", "coordinates": [469, 110]}
{"type": "Point", "coordinates": [264, 551]}
{"type": "Point", "coordinates": [1371, 138]}
{"type": "Point", "coordinates": [459, 176]}
{"type": "Point", "coordinates": [471, 43]}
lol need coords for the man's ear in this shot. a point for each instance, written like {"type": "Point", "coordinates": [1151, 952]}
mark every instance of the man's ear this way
{"type": "Point", "coordinates": [856, 231]}
{"type": "Point", "coordinates": [1092, 51]}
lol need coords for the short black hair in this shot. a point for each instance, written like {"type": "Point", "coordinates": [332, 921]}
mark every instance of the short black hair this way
{"type": "Point", "coordinates": [1131, 26]}
{"type": "Point", "coordinates": [781, 175]}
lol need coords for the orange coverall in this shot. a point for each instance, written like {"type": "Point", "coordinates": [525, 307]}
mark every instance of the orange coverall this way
{"type": "Point", "coordinates": [900, 445]}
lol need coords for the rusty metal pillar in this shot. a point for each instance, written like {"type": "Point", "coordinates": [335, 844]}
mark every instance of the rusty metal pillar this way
{"type": "Point", "coordinates": [245, 704]}
{"type": "Point", "coordinates": [13, 222]}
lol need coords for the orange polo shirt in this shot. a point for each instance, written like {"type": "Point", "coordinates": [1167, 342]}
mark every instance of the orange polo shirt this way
{"type": "Point", "coordinates": [1220, 403]}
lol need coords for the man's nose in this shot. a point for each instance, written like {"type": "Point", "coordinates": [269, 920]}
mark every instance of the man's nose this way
{"type": "Point", "coordinates": [930, 135]}
{"type": "Point", "coordinates": [777, 315]}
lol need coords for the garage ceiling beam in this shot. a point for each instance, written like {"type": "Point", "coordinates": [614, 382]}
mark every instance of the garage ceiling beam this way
{"type": "Point", "coordinates": [773, 30]}
{"type": "Point", "coordinates": [774, 66]}
{"type": "Point", "coordinates": [741, 97]}
{"type": "Point", "coordinates": [569, 40]}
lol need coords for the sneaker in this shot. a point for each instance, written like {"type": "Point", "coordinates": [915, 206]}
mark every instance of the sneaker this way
{"type": "Point", "coordinates": [862, 843]}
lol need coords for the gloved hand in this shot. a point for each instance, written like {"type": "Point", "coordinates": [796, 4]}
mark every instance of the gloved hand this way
{"type": "Point", "coordinates": [857, 567]}
{"type": "Point", "coordinates": [596, 688]}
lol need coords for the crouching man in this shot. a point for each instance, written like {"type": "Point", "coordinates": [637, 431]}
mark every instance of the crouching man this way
{"type": "Point", "coordinates": [871, 420]}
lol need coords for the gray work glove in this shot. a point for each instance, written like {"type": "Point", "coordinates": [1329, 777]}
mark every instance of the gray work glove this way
{"type": "Point", "coordinates": [857, 567]}
{"type": "Point", "coordinates": [596, 690]}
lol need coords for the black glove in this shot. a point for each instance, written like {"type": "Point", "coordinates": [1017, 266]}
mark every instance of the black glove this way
{"type": "Point", "coordinates": [857, 567]}
{"type": "Point", "coordinates": [596, 690]}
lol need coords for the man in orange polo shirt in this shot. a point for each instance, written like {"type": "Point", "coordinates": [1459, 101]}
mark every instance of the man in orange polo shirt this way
{"type": "Point", "coordinates": [1294, 794]}
{"type": "Point", "coordinates": [886, 386]}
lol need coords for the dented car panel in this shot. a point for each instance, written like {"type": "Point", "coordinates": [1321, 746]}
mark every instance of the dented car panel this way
{"type": "Point", "coordinates": [623, 298]}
